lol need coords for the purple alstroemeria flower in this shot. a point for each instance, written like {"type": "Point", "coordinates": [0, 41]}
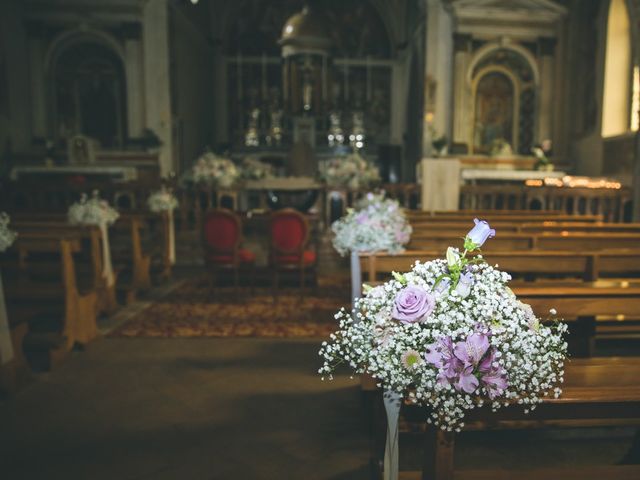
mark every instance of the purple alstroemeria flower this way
{"type": "Point", "coordinates": [362, 218]}
{"type": "Point", "coordinates": [412, 304]}
{"type": "Point", "coordinates": [464, 284]}
{"type": "Point", "coordinates": [439, 352]}
{"type": "Point", "coordinates": [486, 364]}
{"type": "Point", "coordinates": [472, 349]}
{"type": "Point", "coordinates": [495, 383]}
{"type": "Point", "coordinates": [467, 381]}
{"type": "Point", "coordinates": [440, 355]}
{"type": "Point", "coordinates": [442, 287]}
{"type": "Point", "coordinates": [480, 232]}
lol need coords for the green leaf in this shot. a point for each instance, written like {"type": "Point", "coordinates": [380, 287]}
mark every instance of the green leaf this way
{"type": "Point", "coordinates": [366, 288]}
{"type": "Point", "coordinates": [399, 277]}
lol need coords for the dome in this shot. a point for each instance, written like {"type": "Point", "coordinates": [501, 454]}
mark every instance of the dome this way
{"type": "Point", "coordinates": [305, 32]}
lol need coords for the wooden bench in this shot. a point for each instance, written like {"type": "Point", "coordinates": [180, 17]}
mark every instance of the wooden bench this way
{"type": "Point", "coordinates": [597, 392]}
{"type": "Point", "coordinates": [57, 314]}
{"type": "Point", "coordinates": [89, 262]}
{"type": "Point", "coordinates": [588, 266]}
{"type": "Point", "coordinates": [460, 228]}
{"type": "Point", "coordinates": [568, 241]}
{"type": "Point", "coordinates": [424, 217]}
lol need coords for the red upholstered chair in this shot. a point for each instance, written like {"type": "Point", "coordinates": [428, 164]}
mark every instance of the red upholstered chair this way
{"type": "Point", "coordinates": [221, 240]}
{"type": "Point", "coordinates": [289, 233]}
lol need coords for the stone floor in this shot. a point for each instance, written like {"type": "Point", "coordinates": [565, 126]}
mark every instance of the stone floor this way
{"type": "Point", "coordinates": [227, 409]}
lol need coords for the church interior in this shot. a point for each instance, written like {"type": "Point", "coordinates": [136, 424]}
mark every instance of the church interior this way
{"type": "Point", "coordinates": [323, 239]}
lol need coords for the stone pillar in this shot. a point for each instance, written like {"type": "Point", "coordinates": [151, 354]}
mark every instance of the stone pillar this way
{"type": "Point", "coordinates": [438, 71]}
{"type": "Point", "coordinates": [462, 95]}
{"type": "Point", "coordinates": [157, 78]}
{"type": "Point", "coordinates": [37, 79]}
{"type": "Point", "coordinates": [220, 80]}
{"type": "Point", "coordinates": [546, 105]}
{"type": "Point", "coordinates": [134, 72]}
{"type": "Point", "coordinates": [399, 89]}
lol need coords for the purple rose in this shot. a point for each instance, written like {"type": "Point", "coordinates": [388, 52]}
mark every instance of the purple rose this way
{"type": "Point", "coordinates": [480, 233]}
{"type": "Point", "coordinates": [412, 304]}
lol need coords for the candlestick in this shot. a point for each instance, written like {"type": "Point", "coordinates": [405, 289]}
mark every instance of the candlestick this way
{"type": "Point", "coordinates": [264, 77]}
{"type": "Point", "coordinates": [368, 78]}
{"type": "Point", "coordinates": [346, 82]}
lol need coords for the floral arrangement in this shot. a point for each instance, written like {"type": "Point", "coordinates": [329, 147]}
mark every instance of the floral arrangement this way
{"type": "Point", "coordinates": [500, 147]}
{"type": "Point", "coordinates": [163, 200]}
{"type": "Point", "coordinates": [254, 169]}
{"type": "Point", "coordinates": [7, 236]}
{"type": "Point", "coordinates": [92, 211]}
{"type": "Point", "coordinates": [218, 171]}
{"type": "Point", "coordinates": [377, 224]}
{"type": "Point", "coordinates": [540, 152]}
{"type": "Point", "coordinates": [451, 335]}
{"type": "Point", "coordinates": [351, 171]}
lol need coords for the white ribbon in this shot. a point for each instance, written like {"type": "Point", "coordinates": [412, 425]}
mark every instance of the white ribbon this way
{"type": "Point", "coordinates": [356, 278]}
{"type": "Point", "coordinates": [172, 238]}
{"type": "Point", "coordinates": [392, 401]}
{"type": "Point", "coordinates": [107, 267]}
{"type": "Point", "coordinates": [6, 347]}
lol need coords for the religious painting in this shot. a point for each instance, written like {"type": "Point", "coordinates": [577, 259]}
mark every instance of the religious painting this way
{"type": "Point", "coordinates": [90, 95]}
{"type": "Point", "coordinates": [494, 105]}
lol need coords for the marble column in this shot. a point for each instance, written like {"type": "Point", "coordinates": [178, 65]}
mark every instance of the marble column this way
{"type": "Point", "coordinates": [462, 121]}
{"type": "Point", "coordinates": [37, 79]}
{"type": "Point", "coordinates": [135, 86]}
{"type": "Point", "coordinates": [546, 106]}
{"type": "Point", "coordinates": [157, 78]}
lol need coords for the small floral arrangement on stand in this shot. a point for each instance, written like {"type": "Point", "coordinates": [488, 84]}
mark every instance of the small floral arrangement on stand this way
{"type": "Point", "coordinates": [255, 169]}
{"type": "Point", "coordinates": [98, 212]}
{"type": "Point", "coordinates": [162, 200]}
{"type": "Point", "coordinates": [376, 224]}
{"type": "Point", "coordinates": [92, 211]}
{"type": "Point", "coordinates": [165, 201]}
{"type": "Point", "coordinates": [7, 236]}
{"type": "Point", "coordinates": [215, 170]}
{"type": "Point", "coordinates": [451, 335]}
{"type": "Point", "coordinates": [350, 171]}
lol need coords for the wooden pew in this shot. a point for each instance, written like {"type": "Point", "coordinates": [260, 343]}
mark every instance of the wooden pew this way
{"type": "Point", "coordinates": [579, 304]}
{"type": "Point", "coordinates": [568, 241]}
{"type": "Point", "coordinates": [89, 263]}
{"type": "Point", "coordinates": [602, 392]}
{"type": "Point", "coordinates": [129, 257]}
{"type": "Point", "coordinates": [423, 217]}
{"type": "Point", "coordinates": [587, 265]}
{"type": "Point", "coordinates": [460, 228]}
{"type": "Point", "coordinates": [58, 315]}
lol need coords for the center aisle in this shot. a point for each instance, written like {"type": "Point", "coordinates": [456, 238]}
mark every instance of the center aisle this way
{"type": "Point", "coordinates": [192, 409]}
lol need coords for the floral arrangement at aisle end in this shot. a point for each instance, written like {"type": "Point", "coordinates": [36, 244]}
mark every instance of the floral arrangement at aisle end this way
{"type": "Point", "coordinates": [215, 170]}
{"type": "Point", "coordinates": [255, 169]}
{"type": "Point", "coordinates": [92, 211]}
{"type": "Point", "coordinates": [451, 335]}
{"type": "Point", "coordinates": [377, 224]}
{"type": "Point", "coordinates": [351, 171]}
{"type": "Point", "coordinates": [7, 236]}
{"type": "Point", "coordinates": [162, 201]}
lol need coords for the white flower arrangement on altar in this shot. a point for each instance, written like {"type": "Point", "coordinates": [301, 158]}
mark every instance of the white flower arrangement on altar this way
{"type": "Point", "coordinates": [215, 170]}
{"type": "Point", "coordinates": [377, 224]}
{"type": "Point", "coordinates": [451, 335]}
{"type": "Point", "coordinates": [92, 211]}
{"type": "Point", "coordinates": [7, 236]}
{"type": "Point", "coordinates": [351, 171]}
{"type": "Point", "coordinates": [162, 201]}
{"type": "Point", "coordinates": [255, 169]}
